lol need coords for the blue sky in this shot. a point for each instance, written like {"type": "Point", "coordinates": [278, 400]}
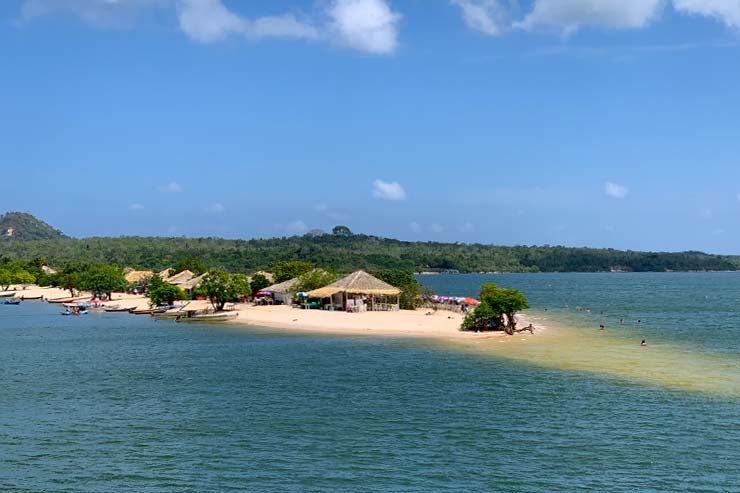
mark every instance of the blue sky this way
{"type": "Point", "coordinates": [575, 122]}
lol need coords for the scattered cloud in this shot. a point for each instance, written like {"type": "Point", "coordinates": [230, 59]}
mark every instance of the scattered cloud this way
{"type": "Point", "coordinates": [388, 190]}
{"type": "Point", "coordinates": [727, 11]}
{"type": "Point", "coordinates": [485, 16]}
{"type": "Point", "coordinates": [436, 228]}
{"type": "Point", "coordinates": [366, 25]}
{"type": "Point", "coordinates": [415, 227]}
{"type": "Point", "coordinates": [615, 190]}
{"type": "Point", "coordinates": [495, 17]}
{"type": "Point", "coordinates": [467, 227]}
{"type": "Point", "coordinates": [295, 227]}
{"type": "Point", "coordinates": [569, 16]}
{"type": "Point", "coordinates": [207, 21]}
{"type": "Point", "coordinates": [172, 187]}
{"type": "Point", "coordinates": [216, 208]}
{"type": "Point", "coordinates": [136, 207]}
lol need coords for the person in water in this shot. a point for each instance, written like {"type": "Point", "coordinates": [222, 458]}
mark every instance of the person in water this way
{"type": "Point", "coordinates": [643, 343]}
{"type": "Point", "coordinates": [601, 327]}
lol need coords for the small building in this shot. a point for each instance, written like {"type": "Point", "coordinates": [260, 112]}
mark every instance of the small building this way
{"type": "Point", "coordinates": [191, 284]}
{"type": "Point", "coordinates": [359, 292]}
{"type": "Point", "coordinates": [282, 292]}
{"type": "Point", "coordinates": [180, 278]}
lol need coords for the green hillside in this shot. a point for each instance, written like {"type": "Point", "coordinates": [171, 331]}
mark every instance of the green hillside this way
{"type": "Point", "coordinates": [341, 252]}
{"type": "Point", "coordinates": [23, 226]}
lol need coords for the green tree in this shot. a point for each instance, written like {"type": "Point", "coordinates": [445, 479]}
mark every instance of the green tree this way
{"type": "Point", "coordinates": [341, 231]}
{"type": "Point", "coordinates": [102, 279]}
{"type": "Point", "coordinates": [284, 271]}
{"type": "Point", "coordinates": [497, 310]}
{"type": "Point", "coordinates": [14, 274]}
{"type": "Point", "coordinates": [193, 264]}
{"type": "Point", "coordinates": [163, 293]}
{"type": "Point", "coordinates": [220, 288]}
{"type": "Point", "coordinates": [258, 282]}
{"type": "Point", "coordinates": [411, 289]}
{"type": "Point", "coordinates": [314, 279]}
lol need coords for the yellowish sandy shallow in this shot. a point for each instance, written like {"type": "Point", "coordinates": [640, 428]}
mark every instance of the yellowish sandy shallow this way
{"type": "Point", "coordinates": [405, 323]}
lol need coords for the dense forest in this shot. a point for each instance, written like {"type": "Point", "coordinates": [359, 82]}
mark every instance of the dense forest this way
{"type": "Point", "coordinates": [345, 252]}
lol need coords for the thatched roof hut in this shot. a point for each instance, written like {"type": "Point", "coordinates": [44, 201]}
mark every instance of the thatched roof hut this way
{"type": "Point", "coordinates": [166, 273]}
{"type": "Point", "coordinates": [282, 287]}
{"type": "Point", "coordinates": [180, 278]}
{"type": "Point", "coordinates": [359, 282]}
{"type": "Point", "coordinates": [137, 276]}
{"type": "Point", "coordinates": [193, 283]}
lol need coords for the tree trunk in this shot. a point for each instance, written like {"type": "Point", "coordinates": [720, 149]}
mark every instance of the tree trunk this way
{"type": "Point", "coordinates": [510, 323]}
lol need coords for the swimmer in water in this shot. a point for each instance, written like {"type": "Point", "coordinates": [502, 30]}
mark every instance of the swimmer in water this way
{"type": "Point", "coordinates": [643, 343]}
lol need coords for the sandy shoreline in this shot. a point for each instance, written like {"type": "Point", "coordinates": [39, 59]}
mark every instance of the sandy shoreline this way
{"type": "Point", "coordinates": [422, 323]}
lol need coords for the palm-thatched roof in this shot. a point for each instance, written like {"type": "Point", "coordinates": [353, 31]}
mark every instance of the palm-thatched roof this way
{"type": "Point", "coordinates": [135, 276]}
{"type": "Point", "coordinates": [282, 287]}
{"type": "Point", "coordinates": [180, 277]}
{"type": "Point", "coordinates": [193, 283]}
{"type": "Point", "coordinates": [166, 273]}
{"type": "Point", "coordinates": [359, 282]}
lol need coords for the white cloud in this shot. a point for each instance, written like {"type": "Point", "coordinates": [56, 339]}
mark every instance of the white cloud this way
{"type": "Point", "coordinates": [415, 227]}
{"type": "Point", "coordinates": [615, 190]}
{"type": "Point", "coordinates": [172, 187]}
{"type": "Point", "coordinates": [296, 227]}
{"type": "Point", "coordinates": [571, 15]}
{"type": "Point", "coordinates": [216, 208]}
{"type": "Point", "coordinates": [388, 190]}
{"type": "Point", "coordinates": [727, 11]}
{"type": "Point", "coordinates": [467, 227]}
{"type": "Point", "coordinates": [207, 21]}
{"type": "Point", "coordinates": [486, 16]}
{"type": "Point", "coordinates": [366, 25]}
{"type": "Point", "coordinates": [436, 228]}
{"type": "Point", "coordinates": [136, 207]}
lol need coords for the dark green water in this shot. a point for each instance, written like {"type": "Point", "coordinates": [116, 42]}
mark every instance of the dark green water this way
{"type": "Point", "coordinates": [109, 403]}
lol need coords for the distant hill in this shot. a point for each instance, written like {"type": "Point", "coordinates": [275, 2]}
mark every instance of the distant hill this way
{"type": "Point", "coordinates": [24, 226]}
{"type": "Point", "coordinates": [340, 252]}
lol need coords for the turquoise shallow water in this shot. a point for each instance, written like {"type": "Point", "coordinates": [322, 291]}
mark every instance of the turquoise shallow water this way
{"type": "Point", "coordinates": [108, 403]}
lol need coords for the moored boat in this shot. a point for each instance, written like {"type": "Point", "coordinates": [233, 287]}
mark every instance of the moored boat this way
{"type": "Point", "coordinates": [208, 317]}
{"type": "Point", "coordinates": [13, 301]}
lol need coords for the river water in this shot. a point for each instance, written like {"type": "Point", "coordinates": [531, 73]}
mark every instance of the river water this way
{"type": "Point", "coordinates": [113, 402]}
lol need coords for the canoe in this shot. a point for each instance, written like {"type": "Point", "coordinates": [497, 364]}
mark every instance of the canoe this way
{"type": "Point", "coordinates": [7, 295]}
{"type": "Point", "coordinates": [61, 300]}
{"type": "Point", "coordinates": [147, 311]}
{"type": "Point", "coordinates": [208, 317]}
{"type": "Point", "coordinates": [40, 297]}
{"type": "Point", "coordinates": [112, 309]}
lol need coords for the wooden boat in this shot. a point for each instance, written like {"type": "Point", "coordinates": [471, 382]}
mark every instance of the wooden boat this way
{"type": "Point", "coordinates": [7, 295]}
{"type": "Point", "coordinates": [61, 300]}
{"type": "Point", "coordinates": [40, 297]}
{"type": "Point", "coordinates": [147, 311]}
{"type": "Point", "coordinates": [112, 309]}
{"type": "Point", "coordinates": [195, 317]}
{"type": "Point", "coordinates": [13, 301]}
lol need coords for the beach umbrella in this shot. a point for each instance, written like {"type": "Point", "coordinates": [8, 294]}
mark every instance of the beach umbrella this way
{"type": "Point", "coordinates": [470, 301]}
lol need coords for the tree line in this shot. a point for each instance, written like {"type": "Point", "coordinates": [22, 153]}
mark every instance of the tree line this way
{"type": "Point", "coordinates": [343, 251]}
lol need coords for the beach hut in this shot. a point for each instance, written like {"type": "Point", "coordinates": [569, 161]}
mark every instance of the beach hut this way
{"type": "Point", "coordinates": [180, 278]}
{"type": "Point", "coordinates": [359, 292]}
{"type": "Point", "coordinates": [282, 292]}
{"type": "Point", "coordinates": [137, 277]}
{"type": "Point", "coordinates": [191, 284]}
